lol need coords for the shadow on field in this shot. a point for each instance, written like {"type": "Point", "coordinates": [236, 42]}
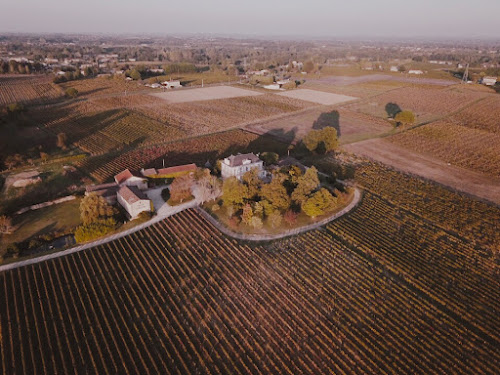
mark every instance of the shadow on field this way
{"type": "Point", "coordinates": [326, 119]}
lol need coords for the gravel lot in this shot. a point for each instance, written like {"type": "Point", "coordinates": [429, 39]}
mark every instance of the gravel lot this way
{"type": "Point", "coordinates": [208, 93]}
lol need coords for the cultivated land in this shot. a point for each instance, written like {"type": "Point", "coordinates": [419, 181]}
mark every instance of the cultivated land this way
{"type": "Point", "coordinates": [318, 97]}
{"type": "Point", "coordinates": [207, 93]}
{"type": "Point", "coordinates": [381, 150]}
{"type": "Point", "coordinates": [347, 80]}
{"type": "Point", "coordinates": [396, 286]}
{"type": "Point", "coordinates": [27, 90]}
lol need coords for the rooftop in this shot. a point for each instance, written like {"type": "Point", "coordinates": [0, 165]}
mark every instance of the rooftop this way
{"type": "Point", "coordinates": [131, 194]}
{"type": "Point", "coordinates": [240, 159]}
{"type": "Point", "coordinates": [178, 169]}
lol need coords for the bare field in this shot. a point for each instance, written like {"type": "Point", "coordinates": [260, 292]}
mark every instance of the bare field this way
{"type": "Point", "coordinates": [319, 97]}
{"type": "Point", "coordinates": [351, 126]}
{"type": "Point", "coordinates": [346, 80]}
{"type": "Point", "coordinates": [427, 103]}
{"type": "Point", "coordinates": [207, 93]}
{"type": "Point", "coordinates": [399, 157]}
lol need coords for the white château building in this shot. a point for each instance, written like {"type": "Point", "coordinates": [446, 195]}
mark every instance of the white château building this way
{"type": "Point", "coordinates": [238, 165]}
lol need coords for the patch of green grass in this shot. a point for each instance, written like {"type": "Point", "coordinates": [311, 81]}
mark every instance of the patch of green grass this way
{"type": "Point", "coordinates": [60, 218]}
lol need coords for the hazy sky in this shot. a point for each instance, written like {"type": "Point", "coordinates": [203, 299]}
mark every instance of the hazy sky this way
{"type": "Point", "coordinates": [330, 18]}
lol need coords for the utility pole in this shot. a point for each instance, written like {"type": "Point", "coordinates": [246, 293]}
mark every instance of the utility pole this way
{"type": "Point", "coordinates": [465, 77]}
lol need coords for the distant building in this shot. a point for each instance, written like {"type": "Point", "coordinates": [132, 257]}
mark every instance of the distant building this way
{"type": "Point", "coordinates": [489, 81]}
{"type": "Point", "coordinates": [133, 200]}
{"type": "Point", "coordinates": [413, 71]}
{"type": "Point", "coordinates": [238, 165]}
{"type": "Point", "coordinates": [126, 178]}
{"type": "Point", "coordinates": [171, 84]}
{"type": "Point", "coordinates": [394, 69]}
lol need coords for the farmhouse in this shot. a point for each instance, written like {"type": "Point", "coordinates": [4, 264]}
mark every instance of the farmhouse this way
{"type": "Point", "coordinates": [127, 178]}
{"type": "Point", "coordinates": [238, 165]}
{"type": "Point", "coordinates": [489, 81]}
{"type": "Point", "coordinates": [133, 200]}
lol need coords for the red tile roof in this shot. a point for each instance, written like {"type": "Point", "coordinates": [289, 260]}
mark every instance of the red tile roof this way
{"type": "Point", "coordinates": [123, 176]}
{"type": "Point", "coordinates": [177, 169]}
{"type": "Point", "coordinates": [131, 194]}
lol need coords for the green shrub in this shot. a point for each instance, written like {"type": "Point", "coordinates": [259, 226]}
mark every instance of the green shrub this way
{"type": "Point", "coordinates": [94, 230]}
{"type": "Point", "coordinates": [165, 194]}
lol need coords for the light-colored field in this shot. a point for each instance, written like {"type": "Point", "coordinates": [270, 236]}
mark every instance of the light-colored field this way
{"type": "Point", "coordinates": [207, 93]}
{"type": "Point", "coordinates": [350, 126]}
{"type": "Point", "coordinates": [401, 158]}
{"type": "Point", "coordinates": [319, 97]}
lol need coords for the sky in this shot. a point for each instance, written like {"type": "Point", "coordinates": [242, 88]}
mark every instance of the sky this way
{"type": "Point", "coordinates": [435, 19]}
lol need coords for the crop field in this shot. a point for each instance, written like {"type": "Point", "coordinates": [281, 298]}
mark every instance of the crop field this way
{"type": "Point", "coordinates": [197, 150]}
{"type": "Point", "coordinates": [27, 90]}
{"type": "Point", "coordinates": [318, 97]}
{"type": "Point", "coordinates": [207, 93]}
{"type": "Point", "coordinates": [467, 147]}
{"type": "Point", "coordinates": [346, 80]}
{"type": "Point", "coordinates": [484, 115]}
{"type": "Point", "coordinates": [380, 291]}
{"type": "Point", "coordinates": [351, 126]}
{"type": "Point", "coordinates": [359, 90]}
{"type": "Point", "coordinates": [104, 86]}
{"type": "Point", "coordinates": [428, 104]}
{"type": "Point", "coordinates": [98, 132]}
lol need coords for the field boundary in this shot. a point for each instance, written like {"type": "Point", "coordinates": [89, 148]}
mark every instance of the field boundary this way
{"type": "Point", "coordinates": [292, 232]}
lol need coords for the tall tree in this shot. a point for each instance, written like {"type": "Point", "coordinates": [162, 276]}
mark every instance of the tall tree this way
{"type": "Point", "coordinates": [93, 208]}
{"type": "Point", "coordinates": [306, 184]}
{"type": "Point", "coordinates": [234, 193]}
{"type": "Point", "coordinates": [275, 193]}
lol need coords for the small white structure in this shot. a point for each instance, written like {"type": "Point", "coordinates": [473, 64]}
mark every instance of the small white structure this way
{"type": "Point", "coordinates": [394, 68]}
{"type": "Point", "coordinates": [273, 86]}
{"type": "Point", "coordinates": [171, 84]}
{"type": "Point", "coordinates": [489, 81]}
{"type": "Point", "coordinates": [414, 71]}
{"type": "Point", "coordinates": [126, 178]}
{"type": "Point", "coordinates": [238, 165]}
{"type": "Point", "coordinates": [133, 200]}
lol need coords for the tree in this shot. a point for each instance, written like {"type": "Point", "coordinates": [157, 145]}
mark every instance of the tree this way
{"type": "Point", "coordinates": [402, 68]}
{"type": "Point", "coordinates": [247, 214]}
{"type": "Point", "coordinates": [405, 118]}
{"type": "Point", "coordinates": [207, 188]}
{"type": "Point", "coordinates": [135, 75]}
{"type": "Point", "coordinates": [256, 222]}
{"type": "Point", "coordinates": [306, 184]}
{"type": "Point", "coordinates": [275, 219]}
{"type": "Point", "coordinates": [253, 182]}
{"type": "Point", "coordinates": [71, 92]}
{"type": "Point", "coordinates": [269, 158]}
{"type": "Point", "coordinates": [319, 203]}
{"type": "Point", "coordinates": [309, 66]}
{"type": "Point", "coordinates": [275, 193]}
{"type": "Point", "coordinates": [290, 217]}
{"type": "Point", "coordinates": [93, 208]}
{"type": "Point", "coordinates": [62, 138]}
{"type": "Point", "coordinates": [234, 193]}
{"type": "Point", "coordinates": [327, 136]}
{"type": "Point", "coordinates": [180, 189]}
{"type": "Point", "coordinates": [5, 224]}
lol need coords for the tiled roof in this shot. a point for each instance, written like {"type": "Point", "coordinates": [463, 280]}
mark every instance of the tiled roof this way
{"type": "Point", "coordinates": [92, 188]}
{"type": "Point", "coordinates": [131, 194]}
{"type": "Point", "coordinates": [149, 172]}
{"type": "Point", "coordinates": [123, 176]}
{"type": "Point", "coordinates": [177, 169]}
{"type": "Point", "coordinates": [237, 160]}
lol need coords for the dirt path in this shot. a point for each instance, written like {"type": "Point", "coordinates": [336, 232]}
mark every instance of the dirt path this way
{"type": "Point", "coordinates": [473, 183]}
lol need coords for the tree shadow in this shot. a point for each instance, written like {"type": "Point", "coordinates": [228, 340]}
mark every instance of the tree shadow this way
{"type": "Point", "coordinates": [326, 119]}
{"type": "Point", "coordinates": [392, 109]}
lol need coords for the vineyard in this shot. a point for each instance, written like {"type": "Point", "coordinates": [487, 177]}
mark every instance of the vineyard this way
{"type": "Point", "coordinates": [88, 88]}
{"type": "Point", "coordinates": [484, 115]}
{"type": "Point", "coordinates": [105, 130]}
{"type": "Point", "coordinates": [470, 218]}
{"type": "Point", "coordinates": [195, 150]}
{"type": "Point", "coordinates": [465, 146]}
{"type": "Point", "coordinates": [179, 297]}
{"type": "Point", "coordinates": [427, 103]}
{"type": "Point", "coordinates": [27, 90]}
